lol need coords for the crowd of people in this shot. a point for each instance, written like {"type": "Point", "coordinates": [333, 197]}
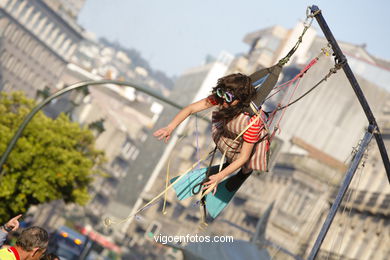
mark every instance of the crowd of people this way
{"type": "Point", "coordinates": [30, 244]}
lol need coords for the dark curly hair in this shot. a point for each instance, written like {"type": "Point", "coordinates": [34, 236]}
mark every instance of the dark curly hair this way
{"type": "Point", "coordinates": [241, 87]}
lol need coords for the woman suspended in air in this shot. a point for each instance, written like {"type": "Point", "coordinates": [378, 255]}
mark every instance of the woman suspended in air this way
{"type": "Point", "coordinates": [242, 137]}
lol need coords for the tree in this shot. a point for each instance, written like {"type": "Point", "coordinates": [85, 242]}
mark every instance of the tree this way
{"type": "Point", "coordinates": [53, 159]}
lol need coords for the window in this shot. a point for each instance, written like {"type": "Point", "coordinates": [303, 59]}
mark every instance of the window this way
{"type": "Point", "coordinates": [65, 46]}
{"type": "Point", "coordinates": [129, 151]}
{"type": "Point", "coordinates": [238, 201]}
{"type": "Point", "coordinates": [34, 21]}
{"type": "Point", "coordinates": [30, 76]}
{"type": "Point", "coordinates": [53, 36]}
{"type": "Point", "coordinates": [35, 49]}
{"type": "Point", "coordinates": [26, 15]}
{"type": "Point", "coordinates": [4, 56]}
{"type": "Point", "coordinates": [24, 72]}
{"type": "Point", "coordinates": [17, 67]}
{"type": "Point", "coordinates": [46, 32]}
{"type": "Point", "coordinates": [15, 36]}
{"type": "Point", "coordinates": [20, 8]}
{"type": "Point", "coordinates": [58, 41]}
{"type": "Point", "coordinates": [179, 209]}
{"type": "Point", "coordinates": [251, 220]}
{"type": "Point", "coordinates": [153, 229]}
{"type": "Point", "coordinates": [8, 30]}
{"type": "Point", "coordinates": [70, 50]}
{"type": "Point", "coordinates": [135, 154]}
{"type": "Point", "coordinates": [29, 46]}
{"type": "Point", "coordinates": [7, 86]}
{"type": "Point", "coordinates": [10, 62]}
{"type": "Point", "coordinates": [14, 5]}
{"type": "Point", "coordinates": [3, 24]}
{"type": "Point", "coordinates": [192, 218]}
{"type": "Point", "coordinates": [40, 26]}
{"type": "Point", "coordinates": [386, 202]}
{"type": "Point", "coordinates": [23, 41]}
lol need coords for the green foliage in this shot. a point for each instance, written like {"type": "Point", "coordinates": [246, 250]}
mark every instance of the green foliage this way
{"type": "Point", "coordinates": [53, 159]}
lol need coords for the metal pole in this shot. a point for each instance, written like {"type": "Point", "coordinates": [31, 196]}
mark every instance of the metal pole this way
{"type": "Point", "coordinates": [86, 249]}
{"type": "Point", "coordinates": [344, 186]}
{"type": "Point", "coordinates": [36, 109]}
{"type": "Point", "coordinates": [340, 58]}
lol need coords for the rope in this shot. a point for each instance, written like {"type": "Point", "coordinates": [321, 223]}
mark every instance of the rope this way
{"type": "Point", "coordinates": [197, 139]}
{"type": "Point", "coordinates": [109, 221]}
{"type": "Point", "coordinates": [170, 158]}
{"type": "Point", "coordinates": [284, 110]}
{"type": "Point", "coordinates": [324, 51]}
{"type": "Point", "coordinates": [307, 24]}
{"type": "Point", "coordinates": [166, 186]}
{"type": "Point", "coordinates": [325, 78]}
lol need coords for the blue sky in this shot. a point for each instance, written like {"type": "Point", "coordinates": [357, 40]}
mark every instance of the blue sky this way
{"type": "Point", "coordinates": [175, 35]}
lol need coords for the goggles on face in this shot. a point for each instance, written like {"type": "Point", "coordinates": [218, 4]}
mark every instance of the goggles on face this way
{"type": "Point", "coordinates": [226, 95]}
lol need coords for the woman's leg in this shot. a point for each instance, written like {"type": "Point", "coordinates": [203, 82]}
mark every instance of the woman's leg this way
{"type": "Point", "coordinates": [235, 182]}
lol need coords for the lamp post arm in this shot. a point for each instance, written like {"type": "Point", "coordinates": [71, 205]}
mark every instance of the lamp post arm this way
{"type": "Point", "coordinates": [61, 92]}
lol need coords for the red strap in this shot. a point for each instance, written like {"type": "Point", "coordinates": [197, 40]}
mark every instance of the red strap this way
{"type": "Point", "coordinates": [15, 252]}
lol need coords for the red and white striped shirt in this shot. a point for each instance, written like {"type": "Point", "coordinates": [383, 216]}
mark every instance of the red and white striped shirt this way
{"type": "Point", "coordinates": [252, 134]}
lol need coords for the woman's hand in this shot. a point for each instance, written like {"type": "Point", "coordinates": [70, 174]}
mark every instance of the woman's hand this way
{"type": "Point", "coordinates": [215, 179]}
{"type": "Point", "coordinates": [164, 132]}
{"type": "Point", "coordinates": [212, 184]}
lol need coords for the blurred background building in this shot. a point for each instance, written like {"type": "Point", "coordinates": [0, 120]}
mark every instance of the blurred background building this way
{"type": "Point", "coordinates": [36, 44]}
{"type": "Point", "coordinates": [314, 148]}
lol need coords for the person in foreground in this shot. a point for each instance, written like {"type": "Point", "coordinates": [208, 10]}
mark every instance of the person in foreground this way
{"type": "Point", "coordinates": [11, 225]}
{"type": "Point", "coordinates": [30, 245]}
{"type": "Point", "coordinates": [242, 137]}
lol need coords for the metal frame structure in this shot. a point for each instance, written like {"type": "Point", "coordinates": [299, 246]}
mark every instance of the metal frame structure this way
{"type": "Point", "coordinates": [372, 130]}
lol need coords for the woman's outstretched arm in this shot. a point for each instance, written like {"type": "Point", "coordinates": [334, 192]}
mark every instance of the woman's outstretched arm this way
{"type": "Point", "coordinates": [198, 106]}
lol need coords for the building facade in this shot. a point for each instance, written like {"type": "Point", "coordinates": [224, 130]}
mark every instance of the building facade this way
{"type": "Point", "coordinates": [35, 45]}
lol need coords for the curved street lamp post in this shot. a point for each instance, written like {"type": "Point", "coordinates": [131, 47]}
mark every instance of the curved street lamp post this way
{"type": "Point", "coordinates": [38, 107]}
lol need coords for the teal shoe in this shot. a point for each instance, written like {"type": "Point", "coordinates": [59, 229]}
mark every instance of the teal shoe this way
{"type": "Point", "coordinates": [184, 187]}
{"type": "Point", "coordinates": [214, 203]}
